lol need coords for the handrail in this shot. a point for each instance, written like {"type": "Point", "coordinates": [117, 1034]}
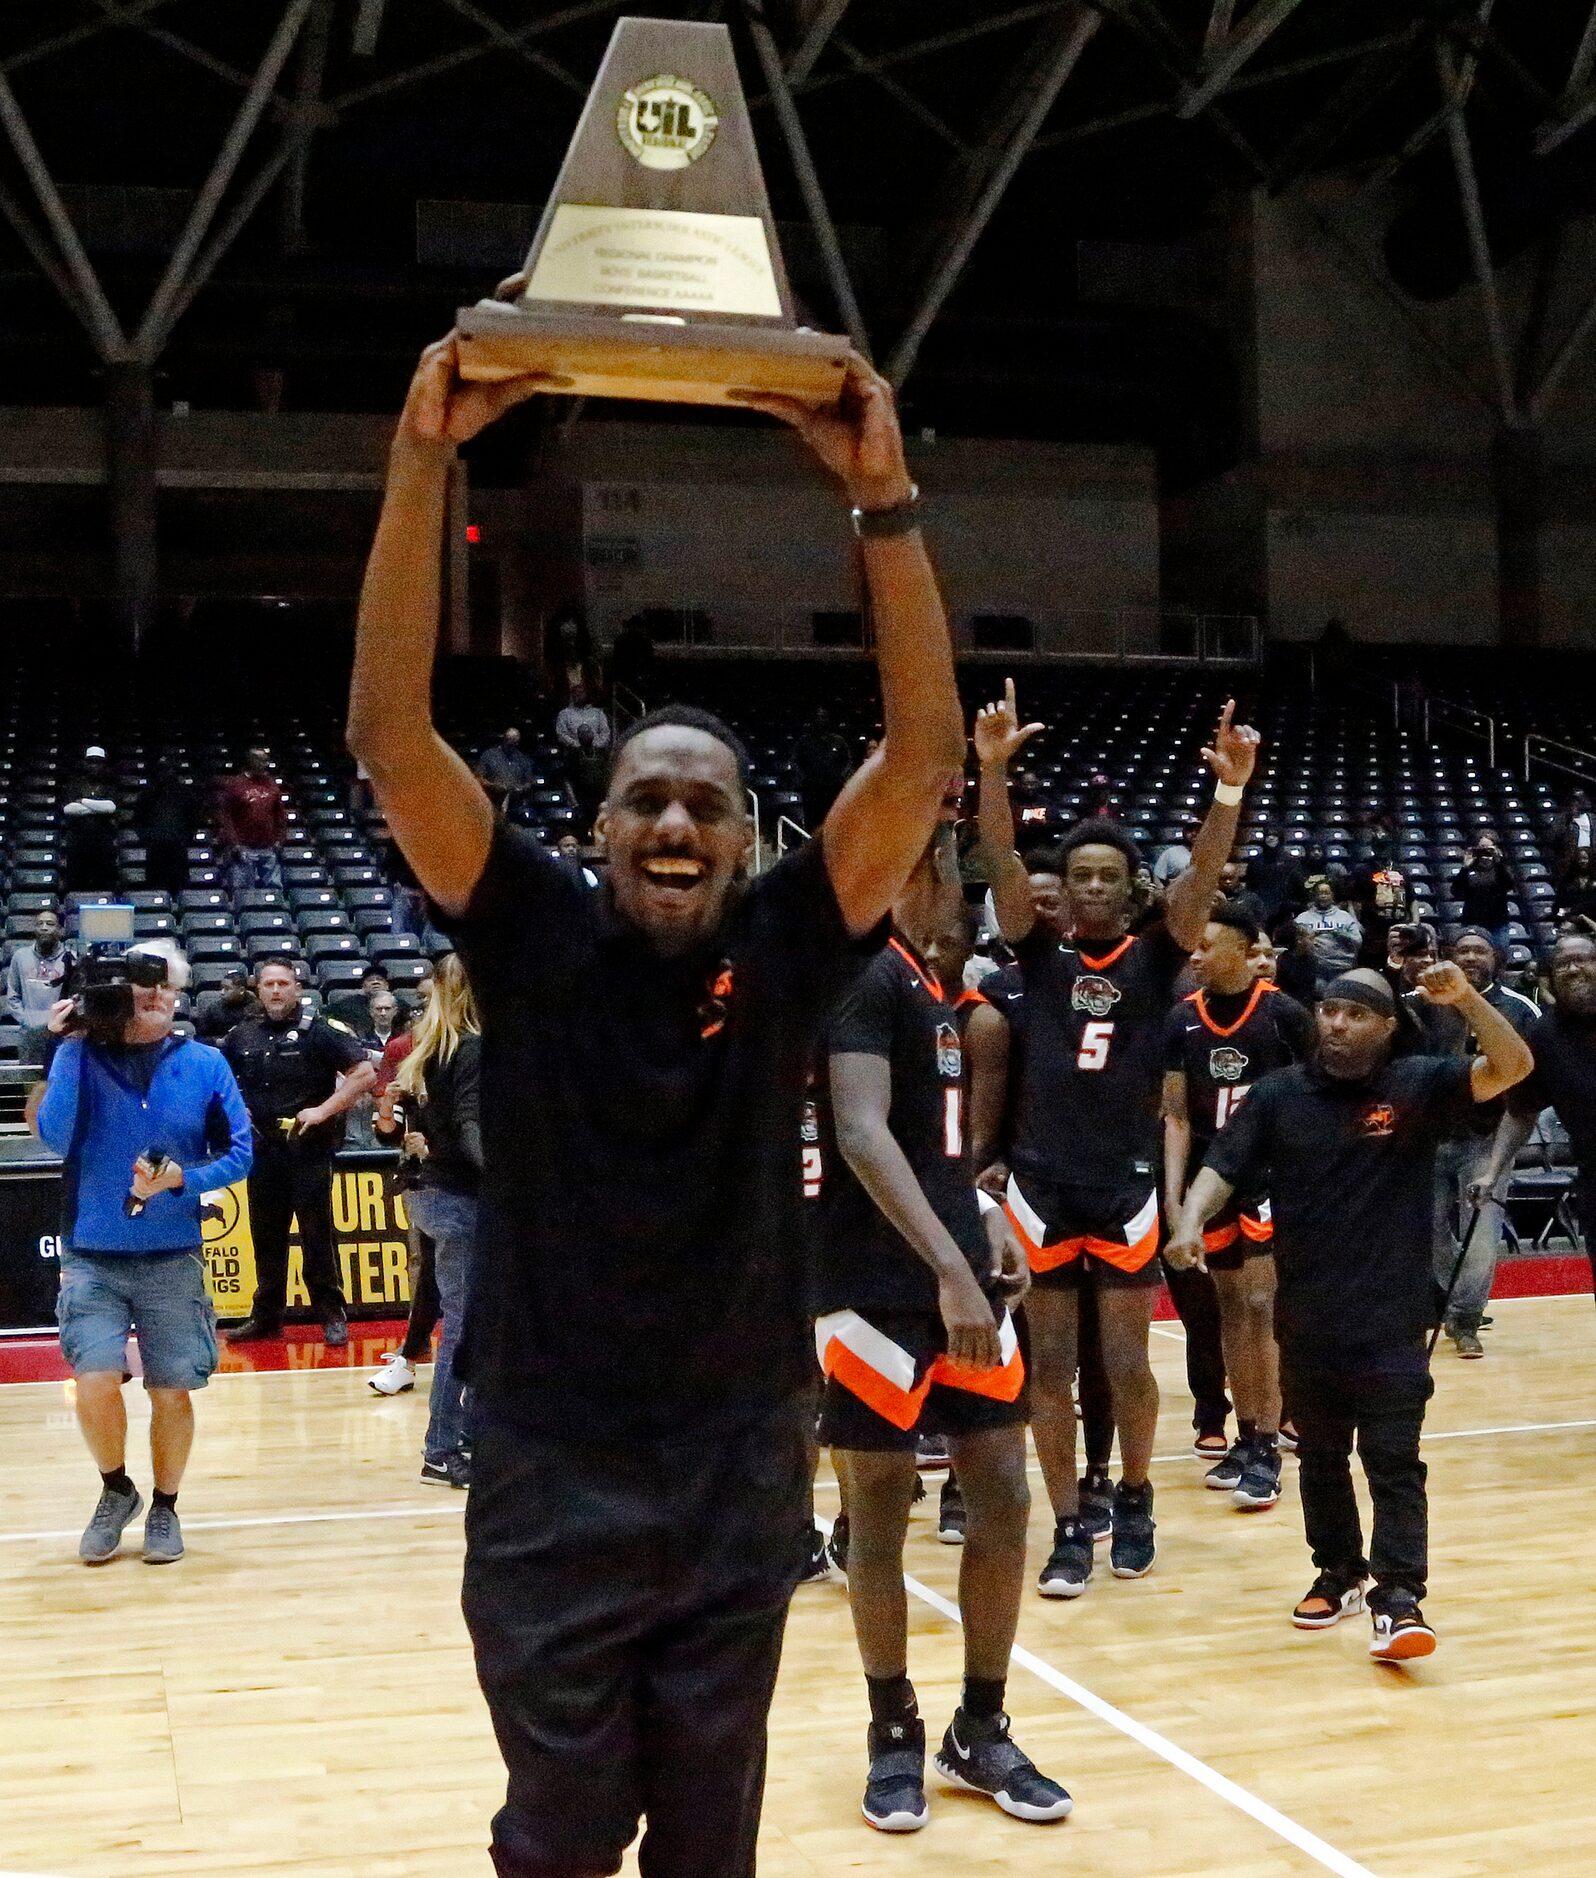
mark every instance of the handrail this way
{"type": "Point", "coordinates": [1465, 717]}
{"type": "Point", "coordinates": [1551, 762]}
{"type": "Point", "coordinates": [636, 708]}
{"type": "Point", "coordinates": [783, 823]}
{"type": "Point", "coordinates": [759, 840]}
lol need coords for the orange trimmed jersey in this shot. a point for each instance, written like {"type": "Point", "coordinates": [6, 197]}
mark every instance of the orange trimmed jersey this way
{"type": "Point", "coordinates": [1224, 1043]}
{"type": "Point", "coordinates": [1091, 1071]}
{"type": "Point", "coordinates": [898, 1010]}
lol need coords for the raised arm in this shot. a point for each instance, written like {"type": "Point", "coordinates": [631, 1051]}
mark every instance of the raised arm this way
{"type": "Point", "coordinates": [879, 825]}
{"type": "Point", "coordinates": [999, 736]}
{"type": "Point", "coordinates": [441, 820]}
{"type": "Point", "coordinates": [1189, 900]}
{"type": "Point", "coordinates": [1504, 1058]}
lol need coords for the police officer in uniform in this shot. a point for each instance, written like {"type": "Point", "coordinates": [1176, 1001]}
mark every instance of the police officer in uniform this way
{"type": "Point", "coordinates": [289, 1068]}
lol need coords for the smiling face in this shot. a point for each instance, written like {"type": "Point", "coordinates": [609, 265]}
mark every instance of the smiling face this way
{"type": "Point", "coordinates": [1222, 960]}
{"type": "Point", "coordinates": [1574, 974]}
{"type": "Point", "coordinates": [677, 834]}
{"type": "Point", "coordinates": [1475, 958]}
{"type": "Point", "coordinates": [1047, 902]}
{"type": "Point", "coordinates": [1097, 889]}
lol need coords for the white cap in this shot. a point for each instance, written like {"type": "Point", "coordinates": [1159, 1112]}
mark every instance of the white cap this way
{"type": "Point", "coordinates": [95, 749]}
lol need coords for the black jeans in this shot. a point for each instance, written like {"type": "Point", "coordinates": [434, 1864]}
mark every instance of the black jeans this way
{"type": "Point", "coordinates": [289, 1178]}
{"type": "Point", "coordinates": [1196, 1300]}
{"type": "Point", "coordinates": [1377, 1399]}
{"type": "Point", "coordinates": [626, 1601]}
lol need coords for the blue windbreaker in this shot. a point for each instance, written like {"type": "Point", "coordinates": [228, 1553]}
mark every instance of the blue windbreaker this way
{"type": "Point", "coordinates": [95, 1118]}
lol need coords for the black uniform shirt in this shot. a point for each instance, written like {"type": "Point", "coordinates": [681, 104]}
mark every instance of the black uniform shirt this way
{"type": "Point", "coordinates": [1564, 1078]}
{"type": "Point", "coordinates": [1352, 1178]}
{"type": "Point", "coordinates": [641, 1246]}
{"type": "Point", "coordinates": [897, 1010]}
{"type": "Point", "coordinates": [285, 1067]}
{"type": "Point", "coordinates": [1224, 1044]}
{"type": "Point", "coordinates": [1092, 1068]}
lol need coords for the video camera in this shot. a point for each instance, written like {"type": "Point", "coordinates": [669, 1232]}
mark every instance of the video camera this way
{"type": "Point", "coordinates": [103, 1004]}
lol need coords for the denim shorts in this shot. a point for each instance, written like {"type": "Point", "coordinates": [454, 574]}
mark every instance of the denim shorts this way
{"type": "Point", "coordinates": [160, 1296]}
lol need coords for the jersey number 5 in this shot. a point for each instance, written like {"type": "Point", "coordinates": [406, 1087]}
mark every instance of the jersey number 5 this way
{"type": "Point", "coordinates": [1095, 1039]}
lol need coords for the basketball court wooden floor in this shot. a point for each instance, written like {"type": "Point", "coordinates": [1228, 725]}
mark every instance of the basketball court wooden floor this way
{"type": "Point", "coordinates": [296, 1696]}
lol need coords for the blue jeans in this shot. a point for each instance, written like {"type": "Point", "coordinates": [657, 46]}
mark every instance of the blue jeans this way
{"type": "Point", "coordinates": [450, 1221]}
{"type": "Point", "coordinates": [159, 1296]}
{"type": "Point", "coordinates": [255, 867]}
{"type": "Point", "coordinates": [1456, 1164]}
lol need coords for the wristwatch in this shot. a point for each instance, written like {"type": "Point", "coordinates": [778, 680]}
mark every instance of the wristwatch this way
{"type": "Point", "coordinates": [879, 524]}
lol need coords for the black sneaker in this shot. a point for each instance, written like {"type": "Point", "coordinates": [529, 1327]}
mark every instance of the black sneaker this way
{"type": "Point", "coordinates": [1259, 1485]}
{"type": "Point", "coordinates": [1400, 1632]}
{"type": "Point", "coordinates": [335, 1333]}
{"type": "Point", "coordinates": [1097, 1505]}
{"type": "Point", "coordinates": [1327, 1600]}
{"type": "Point", "coordinates": [1132, 1551]}
{"type": "Point", "coordinates": [815, 1571]}
{"type": "Point", "coordinates": [1068, 1570]}
{"type": "Point", "coordinates": [252, 1330]}
{"type": "Point", "coordinates": [931, 1453]}
{"type": "Point", "coordinates": [950, 1513]}
{"type": "Point", "coordinates": [979, 1756]}
{"type": "Point", "coordinates": [454, 1470]}
{"type": "Point", "coordinates": [837, 1550]}
{"type": "Point", "coordinates": [1222, 1477]}
{"type": "Point", "coordinates": [894, 1795]}
{"type": "Point", "coordinates": [103, 1534]}
{"type": "Point", "coordinates": [1286, 1439]}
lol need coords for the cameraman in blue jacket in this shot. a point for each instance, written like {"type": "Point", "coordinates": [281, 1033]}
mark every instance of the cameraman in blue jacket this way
{"type": "Point", "coordinates": [146, 1123]}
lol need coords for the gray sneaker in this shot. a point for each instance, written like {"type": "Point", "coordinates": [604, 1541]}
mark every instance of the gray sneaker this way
{"type": "Point", "coordinates": [163, 1536]}
{"type": "Point", "coordinates": [112, 1516]}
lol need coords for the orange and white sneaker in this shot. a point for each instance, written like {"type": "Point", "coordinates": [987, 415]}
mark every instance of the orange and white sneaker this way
{"type": "Point", "coordinates": [1328, 1600]}
{"type": "Point", "coordinates": [1400, 1632]}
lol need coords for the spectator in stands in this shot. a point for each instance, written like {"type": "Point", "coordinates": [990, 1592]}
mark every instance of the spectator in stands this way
{"type": "Point", "coordinates": [1272, 879]}
{"type": "Point", "coordinates": [1463, 1159]}
{"type": "Point", "coordinates": [1296, 961]}
{"type": "Point", "coordinates": [89, 859]}
{"type": "Point", "coordinates": [569, 849]}
{"type": "Point", "coordinates": [384, 1021]}
{"type": "Point", "coordinates": [1576, 896]}
{"type": "Point", "coordinates": [1172, 861]}
{"type": "Point", "coordinates": [1425, 1028]}
{"type": "Point", "coordinates": [1334, 934]}
{"type": "Point", "coordinates": [1233, 892]}
{"type": "Point", "coordinates": [1573, 832]}
{"type": "Point", "coordinates": [505, 770]}
{"type": "Point", "coordinates": [144, 1117]}
{"type": "Point", "coordinates": [437, 1087]}
{"type": "Point", "coordinates": [36, 978]}
{"type": "Point", "coordinates": [587, 770]}
{"type": "Point", "coordinates": [217, 1012]}
{"type": "Point", "coordinates": [166, 813]}
{"type": "Point", "coordinates": [1381, 900]}
{"type": "Point", "coordinates": [580, 715]}
{"type": "Point", "coordinates": [352, 1009]}
{"type": "Point", "coordinates": [253, 817]}
{"type": "Point", "coordinates": [1483, 884]}
{"type": "Point", "coordinates": [1317, 866]}
{"type": "Point", "coordinates": [823, 763]}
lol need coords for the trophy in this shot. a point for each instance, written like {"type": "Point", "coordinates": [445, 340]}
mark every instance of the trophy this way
{"type": "Point", "coordinates": [655, 272]}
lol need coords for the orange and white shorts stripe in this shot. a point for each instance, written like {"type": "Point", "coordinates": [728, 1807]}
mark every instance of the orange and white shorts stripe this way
{"type": "Point", "coordinates": [894, 1381]}
{"type": "Point", "coordinates": [1252, 1222]}
{"type": "Point", "coordinates": [1051, 1243]}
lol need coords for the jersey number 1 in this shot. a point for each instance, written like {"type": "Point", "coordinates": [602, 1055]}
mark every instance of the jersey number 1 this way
{"type": "Point", "coordinates": [1095, 1039]}
{"type": "Point", "coordinates": [953, 1123]}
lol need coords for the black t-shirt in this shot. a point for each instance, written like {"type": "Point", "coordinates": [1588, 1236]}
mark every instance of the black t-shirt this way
{"type": "Point", "coordinates": [1225, 1043]}
{"type": "Point", "coordinates": [897, 1010]}
{"type": "Point", "coordinates": [1352, 1176]}
{"type": "Point", "coordinates": [285, 1067]}
{"type": "Point", "coordinates": [1483, 887]}
{"type": "Point", "coordinates": [1092, 1067]}
{"type": "Point", "coordinates": [1564, 1078]}
{"type": "Point", "coordinates": [641, 1245]}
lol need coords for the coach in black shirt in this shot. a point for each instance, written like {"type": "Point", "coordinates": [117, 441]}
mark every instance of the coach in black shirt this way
{"type": "Point", "coordinates": [636, 1340]}
{"type": "Point", "coordinates": [1350, 1139]}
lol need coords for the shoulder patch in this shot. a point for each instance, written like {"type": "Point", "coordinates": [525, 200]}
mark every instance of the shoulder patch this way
{"type": "Point", "coordinates": [336, 1023]}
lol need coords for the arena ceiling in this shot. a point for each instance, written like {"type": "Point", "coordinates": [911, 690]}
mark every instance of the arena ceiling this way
{"type": "Point", "coordinates": [1012, 185]}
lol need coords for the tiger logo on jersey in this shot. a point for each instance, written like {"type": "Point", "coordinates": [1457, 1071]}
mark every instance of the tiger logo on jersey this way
{"type": "Point", "coordinates": [1227, 1064]}
{"type": "Point", "coordinates": [950, 1053]}
{"type": "Point", "coordinates": [1096, 996]}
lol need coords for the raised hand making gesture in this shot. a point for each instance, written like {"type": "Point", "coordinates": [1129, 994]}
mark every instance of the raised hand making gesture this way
{"type": "Point", "coordinates": [999, 734]}
{"type": "Point", "coordinates": [1234, 750]}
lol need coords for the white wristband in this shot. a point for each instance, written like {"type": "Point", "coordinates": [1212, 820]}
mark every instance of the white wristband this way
{"type": "Point", "coordinates": [1228, 793]}
{"type": "Point", "coordinates": [986, 1203]}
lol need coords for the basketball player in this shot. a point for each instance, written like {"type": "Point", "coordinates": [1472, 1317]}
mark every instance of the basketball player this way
{"type": "Point", "coordinates": [637, 1342]}
{"type": "Point", "coordinates": [914, 1334]}
{"type": "Point", "coordinates": [1349, 1140]}
{"type": "Point", "coordinates": [1083, 1192]}
{"type": "Point", "coordinates": [1231, 1031]}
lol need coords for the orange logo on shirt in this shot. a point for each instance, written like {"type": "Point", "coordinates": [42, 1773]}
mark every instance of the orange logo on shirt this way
{"type": "Point", "coordinates": [712, 1012]}
{"type": "Point", "coordinates": [1379, 1118]}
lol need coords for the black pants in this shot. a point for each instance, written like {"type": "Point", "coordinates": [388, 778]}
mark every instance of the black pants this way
{"type": "Point", "coordinates": [626, 1602]}
{"type": "Point", "coordinates": [1377, 1400]}
{"type": "Point", "coordinates": [166, 865]}
{"type": "Point", "coordinates": [425, 1305]}
{"type": "Point", "coordinates": [1196, 1300]}
{"type": "Point", "coordinates": [1093, 1392]}
{"type": "Point", "coordinates": [289, 1178]}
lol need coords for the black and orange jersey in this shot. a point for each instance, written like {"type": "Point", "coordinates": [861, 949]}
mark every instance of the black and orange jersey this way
{"type": "Point", "coordinates": [1223, 1043]}
{"type": "Point", "coordinates": [898, 1010]}
{"type": "Point", "coordinates": [1091, 1070]}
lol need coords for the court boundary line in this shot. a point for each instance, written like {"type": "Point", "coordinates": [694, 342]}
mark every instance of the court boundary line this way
{"type": "Point", "coordinates": [1282, 1825]}
{"type": "Point", "coordinates": [330, 1517]}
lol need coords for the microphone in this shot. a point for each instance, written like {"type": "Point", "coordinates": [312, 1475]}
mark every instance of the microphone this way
{"type": "Point", "coordinates": [131, 1206]}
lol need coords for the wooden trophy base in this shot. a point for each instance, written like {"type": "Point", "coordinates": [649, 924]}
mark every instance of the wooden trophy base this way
{"type": "Point", "coordinates": [602, 356]}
